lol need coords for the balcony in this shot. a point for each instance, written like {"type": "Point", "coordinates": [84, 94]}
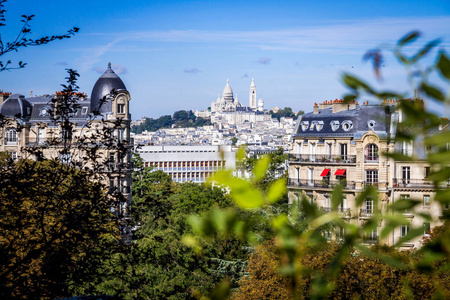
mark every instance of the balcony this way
{"type": "Point", "coordinates": [368, 212]}
{"type": "Point", "coordinates": [414, 183]}
{"type": "Point", "coordinates": [324, 184]}
{"type": "Point", "coordinates": [344, 212]}
{"type": "Point", "coordinates": [322, 159]}
{"type": "Point", "coordinates": [371, 159]}
{"type": "Point", "coordinates": [370, 239]}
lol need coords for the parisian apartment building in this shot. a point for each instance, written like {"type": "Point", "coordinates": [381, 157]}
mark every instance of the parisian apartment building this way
{"type": "Point", "coordinates": [342, 143]}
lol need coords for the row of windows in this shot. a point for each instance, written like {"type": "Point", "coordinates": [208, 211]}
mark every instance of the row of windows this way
{"type": "Point", "coordinates": [184, 164]}
{"type": "Point", "coordinates": [178, 151]}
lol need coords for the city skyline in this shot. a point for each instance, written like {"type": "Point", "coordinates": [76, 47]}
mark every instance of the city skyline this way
{"type": "Point", "coordinates": [178, 55]}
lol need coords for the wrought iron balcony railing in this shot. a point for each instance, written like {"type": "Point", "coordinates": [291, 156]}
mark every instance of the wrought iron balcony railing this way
{"type": "Point", "coordinates": [402, 183]}
{"type": "Point", "coordinates": [326, 184]}
{"type": "Point", "coordinates": [322, 158]}
{"type": "Point", "coordinates": [371, 159]}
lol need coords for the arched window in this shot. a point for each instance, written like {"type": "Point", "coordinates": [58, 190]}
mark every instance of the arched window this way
{"type": "Point", "coordinates": [11, 136]}
{"type": "Point", "coordinates": [372, 153]}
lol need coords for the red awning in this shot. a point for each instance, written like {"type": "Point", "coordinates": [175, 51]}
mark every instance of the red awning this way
{"type": "Point", "coordinates": [325, 172]}
{"type": "Point", "coordinates": [339, 172]}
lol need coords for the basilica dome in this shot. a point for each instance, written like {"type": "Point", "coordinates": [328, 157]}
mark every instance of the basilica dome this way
{"type": "Point", "coordinates": [105, 84]}
{"type": "Point", "coordinates": [227, 93]}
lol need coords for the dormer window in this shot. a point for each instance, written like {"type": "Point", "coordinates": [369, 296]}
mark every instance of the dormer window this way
{"type": "Point", "coordinates": [45, 111]}
{"type": "Point", "coordinates": [347, 125]}
{"type": "Point", "coordinates": [305, 125]}
{"type": "Point", "coordinates": [120, 108]}
{"type": "Point", "coordinates": [319, 125]}
{"type": "Point", "coordinates": [84, 110]}
{"type": "Point", "coordinates": [334, 125]}
{"type": "Point", "coordinates": [313, 124]}
{"type": "Point", "coordinates": [371, 124]}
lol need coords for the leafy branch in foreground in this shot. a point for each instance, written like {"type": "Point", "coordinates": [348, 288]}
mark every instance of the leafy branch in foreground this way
{"type": "Point", "coordinates": [298, 233]}
{"type": "Point", "coordinates": [22, 39]}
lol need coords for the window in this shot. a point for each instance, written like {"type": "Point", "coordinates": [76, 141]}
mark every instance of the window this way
{"type": "Point", "coordinates": [11, 136]}
{"type": "Point", "coordinates": [120, 134]}
{"type": "Point", "coordinates": [404, 229]}
{"type": "Point", "coordinates": [406, 148]}
{"type": "Point", "coordinates": [84, 110]}
{"type": "Point", "coordinates": [329, 149]}
{"type": "Point", "coordinates": [319, 125]}
{"type": "Point", "coordinates": [426, 200]}
{"type": "Point", "coordinates": [368, 206]}
{"type": "Point", "coordinates": [372, 153]}
{"type": "Point", "coordinates": [427, 171]}
{"type": "Point", "coordinates": [347, 125]}
{"type": "Point", "coordinates": [120, 108]}
{"type": "Point", "coordinates": [406, 175]}
{"type": "Point", "coordinates": [371, 124]}
{"type": "Point", "coordinates": [372, 177]}
{"type": "Point", "coordinates": [343, 151]}
{"type": "Point", "coordinates": [65, 158]}
{"type": "Point", "coordinates": [426, 228]}
{"type": "Point", "coordinates": [313, 124]}
{"type": "Point", "coordinates": [305, 125]}
{"type": "Point", "coordinates": [44, 111]}
{"type": "Point", "coordinates": [334, 125]}
{"type": "Point", "coordinates": [13, 155]}
{"type": "Point", "coordinates": [66, 133]}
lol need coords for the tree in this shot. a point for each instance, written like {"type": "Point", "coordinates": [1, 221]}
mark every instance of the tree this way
{"type": "Point", "coordinates": [22, 40]}
{"type": "Point", "coordinates": [51, 216]}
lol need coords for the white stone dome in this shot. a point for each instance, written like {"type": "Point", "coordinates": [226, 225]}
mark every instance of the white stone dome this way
{"type": "Point", "coordinates": [227, 93]}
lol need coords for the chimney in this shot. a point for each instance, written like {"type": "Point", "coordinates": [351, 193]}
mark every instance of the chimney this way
{"type": "Point", "coordinates": [315, 109]}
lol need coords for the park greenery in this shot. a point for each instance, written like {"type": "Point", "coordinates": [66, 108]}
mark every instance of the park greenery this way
{"type": "Point", "coordinates": [286, 113]}
{"type": "Point", "coordinates": [181, 118]}
{"type": "Point", "coordinates": [231, 237]}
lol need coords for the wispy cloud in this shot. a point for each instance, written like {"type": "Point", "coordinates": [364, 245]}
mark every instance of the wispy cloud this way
{"type": "Point", "coordinates": [335, 36]}
{"type": "Point", "coordinates": [264, 61]}
{"type": "Point", "coordinates": [191, 70]}
{"type": "Point", "coordinates": [245, 76]}
{"type": "Point", "coordinates": [61, 63]}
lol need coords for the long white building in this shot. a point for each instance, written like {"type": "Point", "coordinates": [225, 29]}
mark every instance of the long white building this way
{"type": "Point", "coordinates": [188, 163]}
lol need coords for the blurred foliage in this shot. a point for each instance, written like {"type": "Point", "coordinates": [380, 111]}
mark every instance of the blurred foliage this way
{"type": "Point", "coordinates": [300, 262]}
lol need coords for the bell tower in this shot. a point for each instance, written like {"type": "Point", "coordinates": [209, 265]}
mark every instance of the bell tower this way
{"type": "Point", "coordinates": [252, 96]}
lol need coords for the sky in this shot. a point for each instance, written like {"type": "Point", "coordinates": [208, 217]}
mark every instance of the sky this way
{"type": "Point", "coordinates": [177, 55]}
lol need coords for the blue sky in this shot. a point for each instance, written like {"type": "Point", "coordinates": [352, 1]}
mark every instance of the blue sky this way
{"type": "Point", "coordinates": [175, 55]}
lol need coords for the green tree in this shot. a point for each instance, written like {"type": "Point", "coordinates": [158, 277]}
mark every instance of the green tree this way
{"type": "Point", "coordinates": [51, 216]}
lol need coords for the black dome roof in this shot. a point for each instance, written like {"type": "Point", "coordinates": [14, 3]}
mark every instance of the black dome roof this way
{"type": "Point", "coordinates": [16, 106]}
{"type": "Point", "coordinates": [104, 85]}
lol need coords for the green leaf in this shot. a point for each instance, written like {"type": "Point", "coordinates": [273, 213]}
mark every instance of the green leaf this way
{"type": "Point", "coordinates": [337, 196]}
{"type": "Point", "coordinates": [427, 48]}
{"type": "Point", "coordinates": [355, 83]}
{"type": "Point", "coordinates": [443, 65]}
{"type": "Point", "coordinates": [403, 204]}
{"type": "Point", "coordinates": [410, 37]}
{"type": "Point", "coordinates": [413, 233]}
{"type": "Point", "coordinates": [432, 91]}
{"type": "Point", "coordinates": [261, 167]}
{"type": "Point", "coordinates": [276, 190]}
